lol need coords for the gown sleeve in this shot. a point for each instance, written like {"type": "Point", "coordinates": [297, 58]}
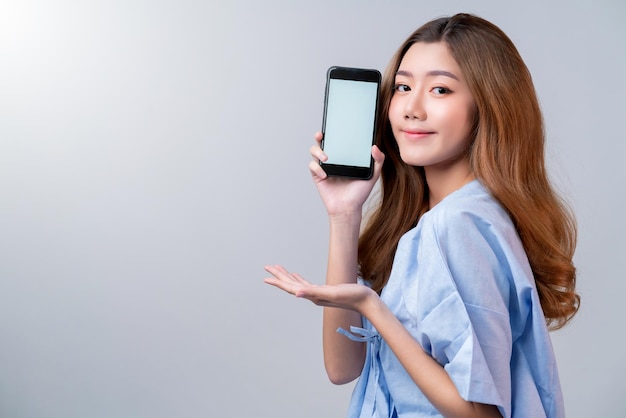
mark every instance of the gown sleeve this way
{"type": "Point", "coordinates": [462, 299]}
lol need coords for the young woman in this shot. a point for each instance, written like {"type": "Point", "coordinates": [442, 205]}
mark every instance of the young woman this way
{"type": "Point", "coordinates": [443, 302]}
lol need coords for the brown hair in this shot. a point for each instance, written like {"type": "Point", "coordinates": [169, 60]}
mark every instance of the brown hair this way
{"type": "Point", "coordinates": [506, 155]}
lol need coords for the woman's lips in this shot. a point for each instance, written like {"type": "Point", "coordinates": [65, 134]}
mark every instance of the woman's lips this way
{"type": "Point", "coordinates": [416, 133]}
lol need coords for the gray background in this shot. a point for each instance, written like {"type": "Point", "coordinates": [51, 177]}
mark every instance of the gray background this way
{"type": "Point", "coordinates": [153, 158]}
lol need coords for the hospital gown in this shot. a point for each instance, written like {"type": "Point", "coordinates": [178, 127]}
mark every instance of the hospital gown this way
{"type": "Point", "coordinates": [462, 286]}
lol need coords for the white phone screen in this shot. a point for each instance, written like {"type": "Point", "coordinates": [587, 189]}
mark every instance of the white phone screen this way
{"type": "Point", "coordinates": [350, 117]}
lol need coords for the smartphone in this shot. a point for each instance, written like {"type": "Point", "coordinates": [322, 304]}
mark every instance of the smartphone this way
{"type": "Point", "coordinates": [349, 125]}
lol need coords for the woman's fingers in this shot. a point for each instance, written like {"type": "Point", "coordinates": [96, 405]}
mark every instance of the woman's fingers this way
{"type": "Point", "coordinates": [297, 286]}
{"type": "Point", "coordinates": [379, 159]}
{"type": "Point", "coordinates": [316, 150]}
{"type": "Point", "coordinates": [284, 280]}
{"type": "Point", "coordinates": [318, 153]}
{"type": "Point", "coordinates": [280, 273]}
{"type": "Point", "coordinates": [317, 170]}
{"type": "Point", "coordinates": [377, 154]}
{"type": "Point", "coordinates": [300, 279]}
{"type": "Point", "coordinates": [345, 296]}
{"type": "Point", "coordinates": [282, 285]}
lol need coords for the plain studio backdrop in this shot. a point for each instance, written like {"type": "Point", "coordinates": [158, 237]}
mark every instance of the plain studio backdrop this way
{"type": "Point", "coordinates": [153, 158]}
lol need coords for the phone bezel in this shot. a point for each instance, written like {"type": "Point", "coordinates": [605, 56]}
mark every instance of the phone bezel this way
{"type": "Point", "coordinates": [353, 74]}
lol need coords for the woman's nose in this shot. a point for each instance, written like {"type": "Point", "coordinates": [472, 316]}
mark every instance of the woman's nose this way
{"type": "Point", "coordinates": [415, 107]}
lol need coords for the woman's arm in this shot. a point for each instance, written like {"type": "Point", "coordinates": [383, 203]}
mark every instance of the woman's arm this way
{"type": "Point", "coordinates": [427, 374]}
{"type": "Point", "coordinates": [343, 199]}
{"type": "Point", "coordinates": [343, 358]}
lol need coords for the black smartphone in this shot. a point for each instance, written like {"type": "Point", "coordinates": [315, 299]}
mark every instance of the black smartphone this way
{"type": "Point", "coordinates": [349, 125]}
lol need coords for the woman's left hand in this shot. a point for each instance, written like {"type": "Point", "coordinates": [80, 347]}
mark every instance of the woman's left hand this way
{"type": "Point", "coordinates": [351, 296]}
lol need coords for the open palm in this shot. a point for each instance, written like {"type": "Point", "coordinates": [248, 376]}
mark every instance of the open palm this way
{"type": "Point", "coordinates": [347, 296]}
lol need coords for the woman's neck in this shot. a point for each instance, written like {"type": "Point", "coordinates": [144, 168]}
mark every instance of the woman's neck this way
{"type": "Point", "coordinates": [442, 181]}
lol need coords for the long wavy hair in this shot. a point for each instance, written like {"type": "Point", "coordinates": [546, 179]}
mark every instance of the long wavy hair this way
{"type": "Point", "coordinates": [506, 154]}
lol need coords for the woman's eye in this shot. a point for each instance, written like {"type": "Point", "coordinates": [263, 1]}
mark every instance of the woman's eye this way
{"type": "Point", "coordinates": [401, 88]}
{"type": "Point", "coordinates": [441, 90]}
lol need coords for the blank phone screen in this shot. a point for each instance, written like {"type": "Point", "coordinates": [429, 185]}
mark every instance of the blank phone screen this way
{"type": "Point", "coordinates": [350, 115]}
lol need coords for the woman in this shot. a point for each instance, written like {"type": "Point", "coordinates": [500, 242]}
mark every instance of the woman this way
{"type": "Point", "coordinates": [467, 260]}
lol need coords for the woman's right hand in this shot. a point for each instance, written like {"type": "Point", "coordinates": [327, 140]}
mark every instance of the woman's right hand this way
{"type": "Point", "coordinates": [342, 195]}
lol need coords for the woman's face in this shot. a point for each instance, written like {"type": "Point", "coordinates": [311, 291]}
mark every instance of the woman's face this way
{"type": "Point", "coordinates": [431, 110]}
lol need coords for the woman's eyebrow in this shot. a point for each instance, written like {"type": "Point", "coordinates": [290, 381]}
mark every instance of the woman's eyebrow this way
{"type": "Point", "coordinates": [442, 72]}
{"type": "Point", "coordinates": [432, 73]}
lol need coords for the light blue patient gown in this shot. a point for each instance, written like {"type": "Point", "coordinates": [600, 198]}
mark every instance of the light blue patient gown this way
{"type": "Point", "coordinates": [461, 284]}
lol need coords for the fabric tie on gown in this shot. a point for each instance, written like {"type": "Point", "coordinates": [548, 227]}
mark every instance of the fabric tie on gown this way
{"type": "Point", "coordinates": [376, 402]}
